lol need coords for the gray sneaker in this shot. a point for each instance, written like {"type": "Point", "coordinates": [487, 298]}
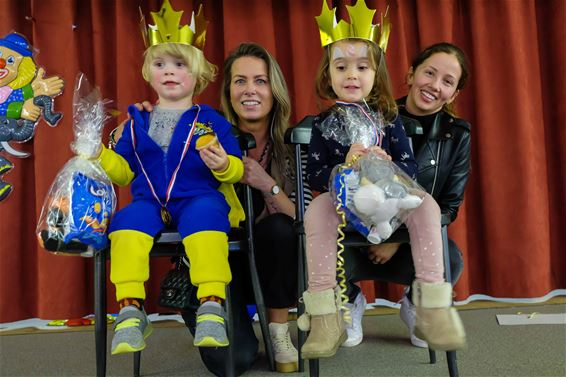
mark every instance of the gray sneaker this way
{"type": "Point", "coordinates": [131, 329]}
{"type": "Point", "coordinates": [211, 329]}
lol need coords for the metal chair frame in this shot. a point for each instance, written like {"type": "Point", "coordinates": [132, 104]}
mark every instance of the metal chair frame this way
{"type": "Point", "coordinates": [299, 136]}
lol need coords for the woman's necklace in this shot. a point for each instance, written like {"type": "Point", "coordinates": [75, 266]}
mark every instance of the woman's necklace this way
{"type": "Point", "coordinates": [263, 159]}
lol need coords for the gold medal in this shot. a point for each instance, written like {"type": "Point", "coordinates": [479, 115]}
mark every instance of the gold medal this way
{"type": "Point", "coordinates": [165, 216]}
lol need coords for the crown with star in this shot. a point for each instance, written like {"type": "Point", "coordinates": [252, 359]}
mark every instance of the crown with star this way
{"type": "Point", "coordinates": [168, 30]}
{"type": "Point", "coordinates": [360, 25]}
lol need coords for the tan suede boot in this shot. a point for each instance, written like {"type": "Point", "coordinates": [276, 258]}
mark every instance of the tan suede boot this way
{"type": "Point", "coordinates": [327, 330]}
{"type": "Point", "coordinates": [438, 322]}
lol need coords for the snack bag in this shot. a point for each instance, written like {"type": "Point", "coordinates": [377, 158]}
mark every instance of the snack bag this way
{"type": "Point", "coordinates": [80, 203]}
{"type": "Point", "coordinates": [375, 194]}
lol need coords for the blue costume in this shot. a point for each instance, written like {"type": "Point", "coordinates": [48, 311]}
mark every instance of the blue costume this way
{"type": "Point", "coordinates": [202, 203]}
{"type": "Point", "coordinates": [195, 192]}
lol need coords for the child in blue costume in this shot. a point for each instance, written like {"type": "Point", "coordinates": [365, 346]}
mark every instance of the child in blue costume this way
{"type": "Point", "coordinates": [181, 161]}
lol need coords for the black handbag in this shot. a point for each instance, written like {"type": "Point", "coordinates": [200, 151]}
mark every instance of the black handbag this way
{"type": "Point", "coordinates": [176, 288]}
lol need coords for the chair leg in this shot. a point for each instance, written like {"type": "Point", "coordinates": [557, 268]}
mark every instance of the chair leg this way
{"type": "Point", "coordinates": [231, 367]}
{"type": "Point", "coordinates": [137, 363]}
{"type": "Point", "coordinates": [100, 326]}
{"type": "Point", "coordinates": [446, 254]}
{"type": "Point", "coordinates": [301, 285]}
{"type": "Point", "coordinates": [452, 363]}
{"type": "Point", "coordinates": [258, 294]}
{"type": "Point", "coordinates": [314, 364]}
{"type": "Point", "coordinates": [450, 355]}
{"type": "Point", "coordinates": [314, 367]}
{"type": "Point", "coordinates": [262, 313]}
{"type": "Point", "coordinates": [432, 356]}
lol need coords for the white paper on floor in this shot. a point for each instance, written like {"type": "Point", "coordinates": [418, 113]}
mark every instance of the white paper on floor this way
{"type": "Point", "coordinates": [532, 319]}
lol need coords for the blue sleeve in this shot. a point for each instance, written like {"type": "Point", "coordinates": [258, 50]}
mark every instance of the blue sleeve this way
{"type": "Point", "coordinates": [125, 149]}
{"type": "Point", "coordinates": [400, 148]}
{"type": "Point", "coordinates": [318, 167]}
{"type": "Point", "coordinates": [224, 133]}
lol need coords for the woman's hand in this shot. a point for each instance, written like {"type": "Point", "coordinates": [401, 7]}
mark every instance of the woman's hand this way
{"type": "Point", "coordinates": [215, 158]}
{"type": "Point", "coordinates": [380, 254]}
{"type": "Point", "coordinates": [356, 151]}
{"type": "Point", "coordinates": [379, 152]}
{"type": "Point", "coordinates": [256, 176]}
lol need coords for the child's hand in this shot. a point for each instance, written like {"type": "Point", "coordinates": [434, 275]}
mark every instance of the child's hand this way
{"type": "Point", "coordinates": [214, 157]}
{"type": "Point", "coordinates": [380, 254]}
{"type": "Point", "coordinates": [379, 152]}
{"type": "Point", "coordinates": [356, 151]}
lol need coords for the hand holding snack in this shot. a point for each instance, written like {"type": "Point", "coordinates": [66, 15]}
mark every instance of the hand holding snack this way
{"type": "Point", "coordinates": [206, 140]}
{"type": "Point", "coordinates": [211, 152]}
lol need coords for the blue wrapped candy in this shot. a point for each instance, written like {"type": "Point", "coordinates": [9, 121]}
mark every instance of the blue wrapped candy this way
{"type": "Point", "coordinates": [91, 208]}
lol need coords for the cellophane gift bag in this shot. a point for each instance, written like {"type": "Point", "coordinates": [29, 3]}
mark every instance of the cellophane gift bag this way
{"type": "Point", "coordinates": [374, 193]}
{"type": "Point", "coordinates": [80, 203]}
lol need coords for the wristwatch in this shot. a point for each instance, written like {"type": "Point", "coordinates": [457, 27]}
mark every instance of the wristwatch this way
{"type": "Point", "coordinates": [275, 190]}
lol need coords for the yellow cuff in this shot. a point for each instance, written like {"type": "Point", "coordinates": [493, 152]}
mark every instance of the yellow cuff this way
{"type": "Point", "coordinates": [212, 289]}
{"type": "Point", "coordinates": [233, 173]}
{"type": "Point", "coordinates": [116, 167]}
{"type": "Point", "coordinates": [131, 289]}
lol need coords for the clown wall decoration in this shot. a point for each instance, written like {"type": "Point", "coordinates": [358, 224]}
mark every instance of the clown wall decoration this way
{"type": "Point", "coordinates": [25, 96]}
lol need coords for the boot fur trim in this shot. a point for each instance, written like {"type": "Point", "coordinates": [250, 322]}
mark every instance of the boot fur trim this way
{"type": "Point", "coordinates": [320, 303]}
{"type": "Point", "coordinates": [432, 295]}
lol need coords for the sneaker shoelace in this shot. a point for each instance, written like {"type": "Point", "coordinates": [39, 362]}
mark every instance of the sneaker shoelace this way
{"type": "Point", "coordinates": [130, 322]}
{"type": "Point", "coordinates": [282, 342]}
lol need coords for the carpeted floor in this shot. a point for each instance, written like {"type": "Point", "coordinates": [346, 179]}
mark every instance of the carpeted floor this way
{"type": "Point", "coordinates": [493, 350]}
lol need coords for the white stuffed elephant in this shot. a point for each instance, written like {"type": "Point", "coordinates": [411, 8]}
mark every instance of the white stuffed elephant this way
{"type": "Point", "coordinates": [373, 202]}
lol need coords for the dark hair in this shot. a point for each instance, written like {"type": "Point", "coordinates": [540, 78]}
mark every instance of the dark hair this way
{"type": "Point", "coordinates": [447, 48]}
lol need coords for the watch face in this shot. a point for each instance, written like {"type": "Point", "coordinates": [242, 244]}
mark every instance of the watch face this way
{"type": "Point", "coordinates": [275, 190]}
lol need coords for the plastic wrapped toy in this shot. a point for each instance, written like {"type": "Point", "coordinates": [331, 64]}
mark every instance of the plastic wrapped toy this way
{"type": "Point", "coordinates": [374, 193]}
{"type": "Point", "coordinates": [81, 200]}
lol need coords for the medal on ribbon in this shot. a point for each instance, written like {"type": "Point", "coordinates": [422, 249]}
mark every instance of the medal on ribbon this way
{"type": "Point", "coordinates": [165, 214]}
{"type": "Point", "coordinates": [166, 217]}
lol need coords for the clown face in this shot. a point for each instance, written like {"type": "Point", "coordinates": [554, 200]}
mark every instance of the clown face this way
{"type": "Point", "coordinates": [9, 63]}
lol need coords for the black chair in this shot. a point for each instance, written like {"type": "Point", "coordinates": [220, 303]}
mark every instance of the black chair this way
{"type": "Point", "coordinates": [299, 136]}
{"type": "Point", "coordinates": [168, 244]}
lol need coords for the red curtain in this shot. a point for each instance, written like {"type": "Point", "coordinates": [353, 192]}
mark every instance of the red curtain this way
{"type": "Point", "coordinates": [511, 226]}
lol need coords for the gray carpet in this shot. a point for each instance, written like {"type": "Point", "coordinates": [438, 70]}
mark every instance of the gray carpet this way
{"type": "Point", "coordinates": [493, 350]}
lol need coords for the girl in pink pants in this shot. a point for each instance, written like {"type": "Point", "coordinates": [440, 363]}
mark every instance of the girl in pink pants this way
{"type": "Point", "coordinates": [353, 73]}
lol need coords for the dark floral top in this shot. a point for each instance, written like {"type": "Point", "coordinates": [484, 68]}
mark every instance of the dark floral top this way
{"type": "Point", "coordinates": [325, 153]}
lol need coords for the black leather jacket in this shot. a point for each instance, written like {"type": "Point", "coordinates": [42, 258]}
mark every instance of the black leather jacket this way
{"type": "Point", "coordinates": [443, 160]}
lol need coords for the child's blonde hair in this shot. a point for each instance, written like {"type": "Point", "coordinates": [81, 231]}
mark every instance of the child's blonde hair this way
{"type": "Point", "coordinates": [381, 95]}
{"type": "Point", "coordinates": [203, 71]}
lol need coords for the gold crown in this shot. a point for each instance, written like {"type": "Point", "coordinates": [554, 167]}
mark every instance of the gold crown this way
{"type": "Point", "coordinates": [168, 30]}
{"type": "Point", "coordinates": [360, 25]}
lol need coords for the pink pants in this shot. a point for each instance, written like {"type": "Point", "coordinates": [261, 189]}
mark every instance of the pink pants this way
{"type": "Point", "coordinates": [321, 227]}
